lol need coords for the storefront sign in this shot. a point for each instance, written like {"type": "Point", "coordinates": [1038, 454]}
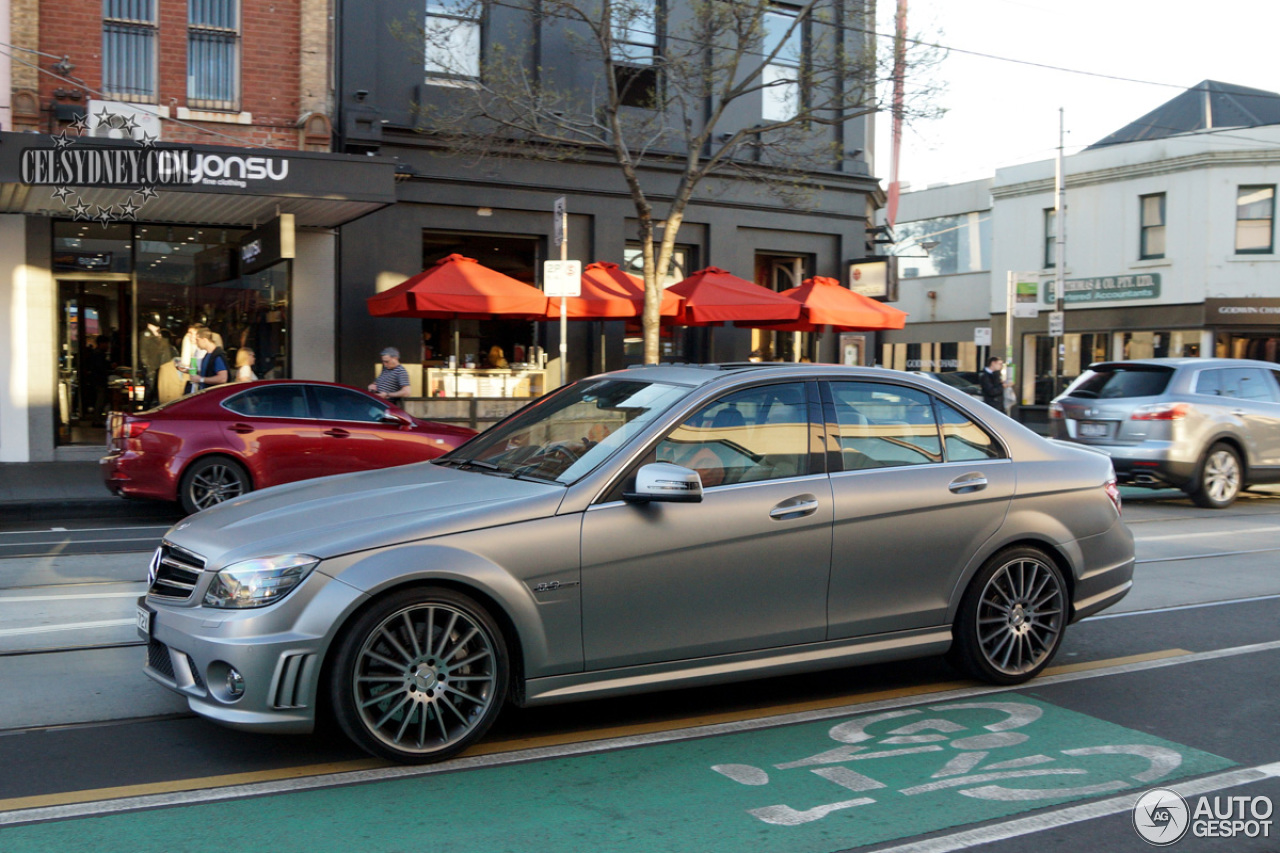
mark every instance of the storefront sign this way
{"type": "Point", "coordinates": [268, 245]}
{"type": "Point", "coordinates": [1023, 287]}
{"type": "Point", "coordinates": [1106, 289]}
{"type": "Point", "coordinates": [1242, 312]}
{"type": "Point", "coordinates": [876, 278]}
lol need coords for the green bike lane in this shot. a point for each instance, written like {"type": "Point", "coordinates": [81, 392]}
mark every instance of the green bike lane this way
{"type": "Point", "coordinates": [820, 781]}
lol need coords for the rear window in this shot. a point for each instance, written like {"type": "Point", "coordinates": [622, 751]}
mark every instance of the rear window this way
{"type": "Point", "coordinates": [1114, 381]}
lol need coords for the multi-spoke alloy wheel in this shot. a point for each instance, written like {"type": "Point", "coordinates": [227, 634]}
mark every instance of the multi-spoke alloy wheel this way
{"type": "Point", "coordinates": [212, 481]}
{"type": "Point", "coordinates": [420, 676]}
{"type": "Point", "coordinates": [1220, 478]}
{"type": "Point", "coordinates": [1012, 617]}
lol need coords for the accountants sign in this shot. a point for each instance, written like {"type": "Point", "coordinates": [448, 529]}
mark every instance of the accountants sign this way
{"type": "Point", "coordinates": [1112, 288]}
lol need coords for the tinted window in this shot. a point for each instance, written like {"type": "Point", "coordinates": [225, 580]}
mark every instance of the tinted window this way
{"type": "Point", "coordinates": [270, 401]}
{"type": "Point", "coordinates": [343, 404]}
{"type": "Point", "coordinates": [885, 425]}
{"type": "Point", "coordinates": [757, 434]}
{"type": "Point", "coordinates": [1209, 382]}
{"type": "Point", "coordinates": [1114, 381]}
{"type": "Point", "coordinates": [963, 439]}
{"type": "Point", "coordinates": [1246, 383]}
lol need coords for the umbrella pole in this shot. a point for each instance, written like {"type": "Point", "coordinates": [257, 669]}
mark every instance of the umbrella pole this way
{"type": "Point", "coordinates": [457, 358]}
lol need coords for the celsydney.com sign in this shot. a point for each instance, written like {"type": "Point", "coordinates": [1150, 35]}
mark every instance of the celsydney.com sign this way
{"type": "Point", "coordinates": [107, 167]}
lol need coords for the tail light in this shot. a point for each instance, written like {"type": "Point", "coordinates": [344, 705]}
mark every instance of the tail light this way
{"type": "Point", "coordinates": [1113, 492]}
{"type": "Point", "coordinates": [1055, 412]}
{"type": "Point", "coordinates": [1161, 412]}
{"type": "Point", "coordinates": [134, 429]}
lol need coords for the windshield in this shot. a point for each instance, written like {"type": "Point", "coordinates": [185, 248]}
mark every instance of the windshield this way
{"type": "Point", "coordinates": [1114, 381]}
{"type": "Point", "coordinates": [563, 436]}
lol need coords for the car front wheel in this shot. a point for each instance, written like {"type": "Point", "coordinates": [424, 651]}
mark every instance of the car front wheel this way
{"type": "Point", "coordinates": [420, 676]}
{"type": "Point", "coordinates": [211, 481]}
{"type": "Point", "coordinates": [1219, 481]}
{"type": "Point", "coordinates": [1012, 617]}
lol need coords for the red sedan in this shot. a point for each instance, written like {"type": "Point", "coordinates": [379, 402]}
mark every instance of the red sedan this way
{"type": "Point", "coordinates": [230, 439]}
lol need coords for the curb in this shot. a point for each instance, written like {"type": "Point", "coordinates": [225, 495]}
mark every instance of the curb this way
{"type": "Point", "coordinates": [69, 508]}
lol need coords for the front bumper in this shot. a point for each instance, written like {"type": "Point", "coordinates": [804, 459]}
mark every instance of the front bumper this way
{"type": "Point", "coordinates": [278, 651]}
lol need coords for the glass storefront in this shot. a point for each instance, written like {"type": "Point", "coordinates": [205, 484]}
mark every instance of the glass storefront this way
{"type": "Point", "coordinates": [942, 357]}
{"type": "Point", "coordinates": [127, 295]}
{"type": "Point", "coordinates": [1036, 387]}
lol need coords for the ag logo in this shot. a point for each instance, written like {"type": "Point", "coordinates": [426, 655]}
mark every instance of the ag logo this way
{"type": "Point", "coordinates": [1161, 817]}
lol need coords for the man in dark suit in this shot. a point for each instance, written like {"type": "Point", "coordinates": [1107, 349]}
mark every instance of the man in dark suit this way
{"type": "Point", "coordinates": [993, 383]}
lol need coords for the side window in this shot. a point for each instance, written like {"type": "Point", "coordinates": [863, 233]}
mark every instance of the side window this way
{"type": "Point", "coordinates": [756, 434]}
{"type": "Point", "coordinates": [1246, 383]}
{"type": "Point", "coordinates": [342, 404]}
{"type": "Point", "coordinates": [1209, 383]}
{"type": "Point", "coordinates": [963, 439]}
{"type": "Point", "coordinates": [883, 426]}
{"type": "Point", "coordinates": [271, 401]}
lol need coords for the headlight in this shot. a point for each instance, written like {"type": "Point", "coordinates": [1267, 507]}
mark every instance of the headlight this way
{"type": "Point", "coordinates": [257, 583]}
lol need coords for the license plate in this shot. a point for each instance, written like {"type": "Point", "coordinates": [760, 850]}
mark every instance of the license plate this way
{"type": "Point", "coordinates": [1093, 430]}
{"type": "Point", "coordinates": [144, 622]}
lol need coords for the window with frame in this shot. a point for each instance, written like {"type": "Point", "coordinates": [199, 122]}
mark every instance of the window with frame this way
{"type": "Point", "coordinates": [453, 31]}
{"type": "Point", "coordinates": [1050, 237]}
{"type": "Point", "coordinates": [885, 426]}
{"type": "Point", "coordinates": [780, 77]}
{"type": "Point", "coordinates": [1255, 220]}
{"type": "Point", "coordinates": [959, 244]}
{"type": "Point", "coordinates": [213, 54]}
{"type": "Point", "coordinates": [129, 50]}
{"type": "Point", "coordinates": [634, 51]}
{"type": "Point", "coordinates": [1152, 226]}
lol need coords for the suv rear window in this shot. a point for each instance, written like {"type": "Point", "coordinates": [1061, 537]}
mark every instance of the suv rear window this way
{"type": "Point", "coordinates": [1113, 381]}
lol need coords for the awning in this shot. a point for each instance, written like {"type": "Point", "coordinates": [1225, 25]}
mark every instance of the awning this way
{"type": "Point", "coordinates": [232, 186]}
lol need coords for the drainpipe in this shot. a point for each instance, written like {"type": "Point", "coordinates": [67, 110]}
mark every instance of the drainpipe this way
{"type": "Point", "coordinates": [6, 67]}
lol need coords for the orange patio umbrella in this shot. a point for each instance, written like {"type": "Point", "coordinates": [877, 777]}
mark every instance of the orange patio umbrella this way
{"type": "Point", "coordinates": [611, 293]}
{"type": "Point", "coordinates": [825, 302]}
{"type": "Point", "coordinates": [458, 288]}
{"type": "Point", "coordinates": [712, 295]}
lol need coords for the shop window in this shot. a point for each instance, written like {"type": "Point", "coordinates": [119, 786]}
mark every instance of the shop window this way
{"type": "Point", "coordinates": [957, 244]}
{"type": "Point", "coordinates": [1079, 350]}
{"type": "Point", "coordinates": [1050, 238]}
{"type": "Point", "coordinates": [779, 273]}
{"type": "Point", "coordinates": [213, 54]}
{"type": "Point", "coordinates": [452, 32]}
{"type": "Point", "coordinates": [1174, 344]}
{"type": "Point", "coordinates": [634, 51]}
{"type": "Point", "coordinates": [129, 50]}
{"type": "Point", "coordinates": [1255, 219]}
{"type": "Point", "coordinates": [1152, 225]}
{"type": "Point", "coordinates": [781, 76]}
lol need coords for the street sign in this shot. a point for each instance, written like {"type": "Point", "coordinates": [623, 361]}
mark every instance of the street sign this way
{"type": "Point", "coordinates": [982, 336]}
{"type": "Point", "coordinates": [1024, 289]}
{"type": "Point", "coordinates": [562, 278]}
{"type": "Point", "coordinates": [559, 228]}
{"type": "Point", "coordinates": [1057, 323]}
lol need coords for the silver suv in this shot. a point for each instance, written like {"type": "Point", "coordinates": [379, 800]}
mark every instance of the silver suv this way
{"type": "Point", "coordinates": [1208, 426]}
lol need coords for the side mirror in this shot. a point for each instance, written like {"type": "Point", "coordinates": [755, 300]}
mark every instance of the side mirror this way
{"type": "Point", "coordinates": [393, 419]}
{"type": "Point", "coordinates": [662, 481]}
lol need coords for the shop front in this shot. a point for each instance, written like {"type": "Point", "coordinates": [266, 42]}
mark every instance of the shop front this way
{"type": "Point", "coordinates": [99, 309]}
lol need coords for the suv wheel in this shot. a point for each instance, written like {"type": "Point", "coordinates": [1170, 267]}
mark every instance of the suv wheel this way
{"type": "Point", "coordinates": [1218, 483]}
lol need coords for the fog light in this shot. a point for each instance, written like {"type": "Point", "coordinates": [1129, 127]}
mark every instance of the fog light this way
{"type": "Point", "coordinates": [235, 683]}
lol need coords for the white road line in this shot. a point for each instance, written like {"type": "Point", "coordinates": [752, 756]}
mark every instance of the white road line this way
{"type": "Point", "coordinates": [1179, 607]}
{"type": "Point", "coordinates": [179, 798]}
{"type": "Point", "coordinates": [75, 542]}
{"type": "Point", "coordinates": [1211, 556]}
{"type": "Point", "coordinates": [66, 626]}
{"type": "Point", "coordinates": [27, 599]}
{"type": "Point", "coordinates": [84, 529]}
{"type": "Point", "coordinates": [1166, 536]}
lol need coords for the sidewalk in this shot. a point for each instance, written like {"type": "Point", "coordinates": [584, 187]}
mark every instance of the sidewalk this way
{"type": "Point", "coordinates": [67, 485]}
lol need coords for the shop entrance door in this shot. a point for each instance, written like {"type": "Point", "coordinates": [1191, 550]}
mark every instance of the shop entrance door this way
{"type": "Point", "coordinates": [95, 357]}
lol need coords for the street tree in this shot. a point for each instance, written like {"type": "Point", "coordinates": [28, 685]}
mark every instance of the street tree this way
{"type": "Point", "coordinates": [680, 96]}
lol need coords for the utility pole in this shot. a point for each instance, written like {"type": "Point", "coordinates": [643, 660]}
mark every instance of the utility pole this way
{"type": "Point", "coordinates": [1059, 261]}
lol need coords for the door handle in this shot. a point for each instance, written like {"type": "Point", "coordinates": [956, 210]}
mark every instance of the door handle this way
{"type": "Point", "coordinates": [1239, 413]}
{"type": "Point", "coordinates": [337, 433]}
{"type": "Point", "coordinates": [968, 483]}
{"type": "Point", "coordinates": [795, 508]}
{"type": "Point", "coordinates": [242, 429]}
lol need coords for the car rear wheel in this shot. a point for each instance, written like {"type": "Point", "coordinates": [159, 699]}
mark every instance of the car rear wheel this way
{"type": "Point", "coordinates": [1220, 478]}
{"type": "Point", "coordinates": [1012, 617]}
{"type": "Point", "coordinates": [420, 676]}
{"type": "Point", "coordinates": [211, 481]}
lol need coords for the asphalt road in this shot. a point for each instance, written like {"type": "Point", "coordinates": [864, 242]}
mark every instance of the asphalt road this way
{"type": "Point", "coordinates": [1175, 687]}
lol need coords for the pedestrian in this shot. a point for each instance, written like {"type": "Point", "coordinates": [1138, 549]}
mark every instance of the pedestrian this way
{"type": "Point", "coordinates": [993, 383]}
{"type": "Point", "coordinates": [213, 368]}
{"type": "Point", "coordinates": [393, 382]}
{"type": "Point", "coordinates": [244, 365]}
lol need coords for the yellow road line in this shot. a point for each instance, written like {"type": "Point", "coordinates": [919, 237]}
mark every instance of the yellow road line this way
{"type": "Point", "coordinates": [559, 739]}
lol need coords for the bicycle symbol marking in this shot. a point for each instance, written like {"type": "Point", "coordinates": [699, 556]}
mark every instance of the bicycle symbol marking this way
{"type": "Point", "coordinates": [966, 772]}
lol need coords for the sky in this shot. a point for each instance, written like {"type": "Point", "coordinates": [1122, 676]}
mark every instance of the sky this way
{"type": "Point", "coordinates": [1001, 113]}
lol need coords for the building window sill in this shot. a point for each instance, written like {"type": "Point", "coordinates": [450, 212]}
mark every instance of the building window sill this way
{"type": "Point", "coordinates": [1147, 263]}
{"type": "Point", "coordinates": [211, 116]}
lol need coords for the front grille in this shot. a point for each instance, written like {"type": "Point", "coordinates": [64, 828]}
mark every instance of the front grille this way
{"type": "Point", "coordinates": [175, 572]}
{"type": "Point", "coordinates": [158, 659]}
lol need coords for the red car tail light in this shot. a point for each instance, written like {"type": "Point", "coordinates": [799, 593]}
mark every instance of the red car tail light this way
{"type": "Point", "coordinates": [1113, 492]}
{"type": "Point", "coordinates": [1055, 411]}
{"type": "Point", "coordinates": [1161, 412]}
{"type": "Point", "coordinates": [133, 429]}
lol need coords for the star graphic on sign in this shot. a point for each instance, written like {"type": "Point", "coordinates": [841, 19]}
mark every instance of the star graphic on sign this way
{"type": "Point", "coordinates": [147, 192]}
{"type": "Point", "coordinates": [147, 140]}
{"type": "Point", "coordinates": [105, 214]}
{"type": "Point", "coordinates": [81, 123]}
{"type": "Point", "coordinates": [61, 194]}
{"type": "Point", "coordinates": [105, 116]}
{"type": "Point", "coordinates": [61, 140]}
{"type": "Point", "coordinates": [80, 209]}
{"type": "Point", "coordinates": [130, 124]}
{"type": "Point", "coordinates": [129, 210]}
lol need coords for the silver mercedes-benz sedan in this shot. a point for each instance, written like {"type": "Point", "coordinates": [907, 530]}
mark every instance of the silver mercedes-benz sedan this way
{"type": "Point", "coordinates": [645, 529]}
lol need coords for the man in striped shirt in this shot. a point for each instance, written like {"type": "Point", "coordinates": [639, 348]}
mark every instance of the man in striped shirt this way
{"type": "Point", "coordinates": [393, 381]}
